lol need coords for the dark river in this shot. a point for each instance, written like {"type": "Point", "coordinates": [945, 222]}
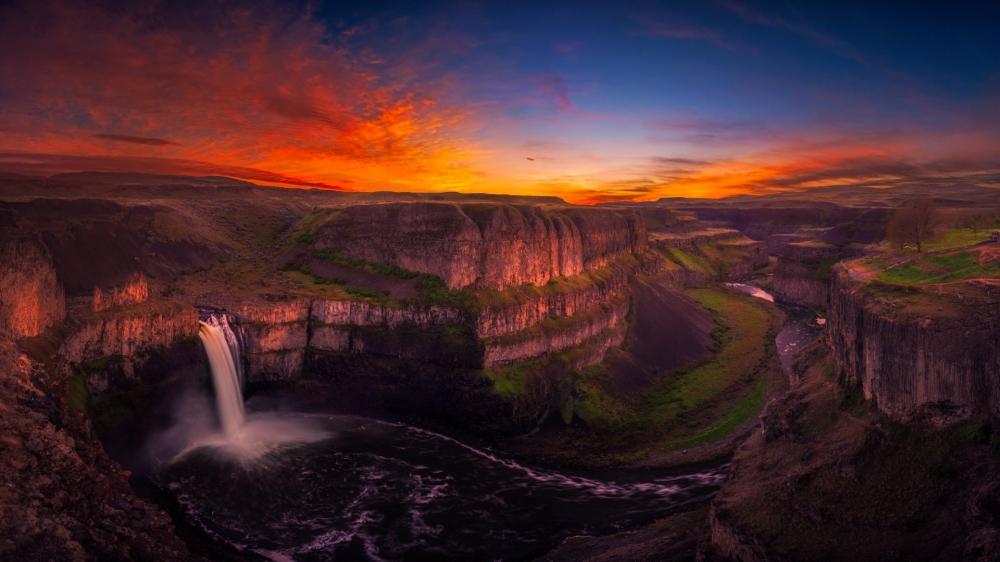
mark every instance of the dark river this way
{"type": "Point", "coordinates": [374, 490]}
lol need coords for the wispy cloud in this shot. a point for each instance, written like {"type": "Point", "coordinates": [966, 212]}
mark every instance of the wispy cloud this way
{"type": "Point", "coordinates": [802, 29]}
{"type": "Point", "coordinates": [47, 164]}
{"type": "Point", "coordinates": [676, 29]}
{"type": "Point", "coordinates": [554, 87]}
{"type": "Point", "coordinates": [148, 141]}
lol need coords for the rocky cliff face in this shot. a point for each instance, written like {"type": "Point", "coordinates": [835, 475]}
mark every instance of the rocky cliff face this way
{"type": "Point", "coordinates": [280, 336]}
{"type": "Point", "coordinates": [31, 298]}
{"type": "Point", "coordinates": [134, 291]}
{"type": "Point", "coordinates": [603, 325]}
{"type": "Point", "coordinates": [280, 333]}
{"type": "Point", "coordinates": [937, 351]}
{"type": "Point", "coordinates": [824, 479]}
{"type": "Point", "coordinates": [104, 243]}
{"type": "Point", "coordinates": [126, 333]}
{"type": "Point", "coordinates": [802, 273]}
{"type": "Point", "coordinates": [484, 245]}
{"type": "Point", "coordinates": [507, 318]}
{"type": "Point", "coordinates": [61, 497]}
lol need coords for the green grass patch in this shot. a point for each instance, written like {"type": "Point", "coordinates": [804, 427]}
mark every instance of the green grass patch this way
{"type": "Point", "coordinates": [431, 290]}
{"type": "Point", "coordinates": [957, 238]}
{"type": "Point", "coordinates": [681, 410]}
{"type": "Point", "coordinates": [510, 382]}
{"type": "Point", "coordinates": [594, 405]}
{"type": "Point", "coordinates": [76, 391]}
{"type": "Point", "coordinates": [386, 269]}
{"type": "Point", "coordinates": [305, 230]}
{"type": "Point", "coordinates": [691, 261]}
{"type": "Point", "coordinates": [746, 408]}
{"type": "Point", "coordinates": [939, 269]}
{"type": "Point", "coordinates": [742, 337]}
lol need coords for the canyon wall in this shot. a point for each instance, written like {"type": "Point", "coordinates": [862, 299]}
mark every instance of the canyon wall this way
{"type": "Point", "coordinates": [484, 245]}
{"type": "Point", "coordinates": [31, 298]}
{"type": "Point", "coordinates": [802, 274]}
{"type": "Point", "coordinates": [134, 291]}
{"type": "Point", "coordinates": [605, 324]}
{"type": "Point", "coordinates": [279, 334]}
{"type": "Point", "coordinates": [710, 253]}
{"type": "Point", "coordinates": [905, 360]}
{"type": "Point", "coordinates": [507, 317]}
{"type": "Point", "coordinates": [61, 497]}
{"type": "Point", "coordinates": [126, 334]}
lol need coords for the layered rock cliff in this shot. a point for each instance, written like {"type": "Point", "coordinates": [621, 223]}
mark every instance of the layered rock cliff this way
{"type": "Point", "coordinates": [913, 349]}
{"type": "Point", "coordinates": [280, 333]}
{"type": "Point", "coordinates": [485, 245]}
{"type": "Point", "coordinates": [126, 333]}
{"type": "Point", "coordinates": [802, 274]}
{"type": "Point", "coordinates": [710, 253]}
{"type": "Point", "coordinates": [604, 325]}
{"type": "Point", "coordinates": [134, 291]}
{"type": "Point", "coordinates": [31, 298]}
{"type": "Point", "coordinates": [569, 297]}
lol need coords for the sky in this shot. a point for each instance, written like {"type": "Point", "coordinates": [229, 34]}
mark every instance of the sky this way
{"type": "Point", "coordinates": [591, 102]}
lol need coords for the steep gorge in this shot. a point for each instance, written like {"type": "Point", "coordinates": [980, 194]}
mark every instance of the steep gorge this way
{"type": "Point", "coordinates": [913, 349]}
{"type": "Point", "coordinates": [802, 274]}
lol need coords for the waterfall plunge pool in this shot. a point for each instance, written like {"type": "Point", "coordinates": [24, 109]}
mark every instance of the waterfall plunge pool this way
{"type": "Point", "coordinates": [375, 490]}
{"type": "Point", "coordinates": [293, 486]}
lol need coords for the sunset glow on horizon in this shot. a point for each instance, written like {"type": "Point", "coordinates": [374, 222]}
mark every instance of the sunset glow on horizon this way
{"type": "Point", "coordinates": [589, 104]}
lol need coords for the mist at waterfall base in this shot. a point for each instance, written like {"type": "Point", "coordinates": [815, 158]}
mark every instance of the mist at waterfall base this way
{"type": "Point", "coordinates": [287, 485]}
{"type": "Point", "coordinates": [224, 429]}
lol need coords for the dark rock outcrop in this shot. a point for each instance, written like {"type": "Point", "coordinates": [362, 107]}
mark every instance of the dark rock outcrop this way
{"type": "Point", "coordinates": [61, 497]}
{"type": "Point", "coordinates": [802, 274]}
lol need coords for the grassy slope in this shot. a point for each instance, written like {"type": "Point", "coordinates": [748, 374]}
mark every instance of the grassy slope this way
{"type": "Point", "coordinates": [939, 269]}
{"type": "Point", "coordinates": [958, 238]}
{"type": "Point", "coordinates": [696, 406]}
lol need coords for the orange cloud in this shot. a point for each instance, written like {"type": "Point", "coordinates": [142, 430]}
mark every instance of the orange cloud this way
{"type": "Point", "coordinates": [247, 89]}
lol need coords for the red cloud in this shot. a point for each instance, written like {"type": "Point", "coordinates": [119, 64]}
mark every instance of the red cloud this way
{"type": "Point", "coordinates": [243, 87]}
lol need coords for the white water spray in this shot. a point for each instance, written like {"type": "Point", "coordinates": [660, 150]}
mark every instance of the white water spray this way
{"type": "Point", "coordinates": [225, 377]}
{"type": "Point", "coordinates": [245, 437]}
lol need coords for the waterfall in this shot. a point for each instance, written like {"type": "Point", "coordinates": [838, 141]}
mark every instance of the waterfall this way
{"type": "Point", "coordinates": [223, 358]}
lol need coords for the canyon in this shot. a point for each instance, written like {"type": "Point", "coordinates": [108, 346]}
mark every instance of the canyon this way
{"type": "Point", "coordinates": [550, 330]}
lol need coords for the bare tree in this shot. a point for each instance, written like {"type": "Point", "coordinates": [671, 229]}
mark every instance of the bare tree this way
{"type": "Point", "coordinates": [912, 223]}
{"type": "Point", "coordinates": [980, 221]}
